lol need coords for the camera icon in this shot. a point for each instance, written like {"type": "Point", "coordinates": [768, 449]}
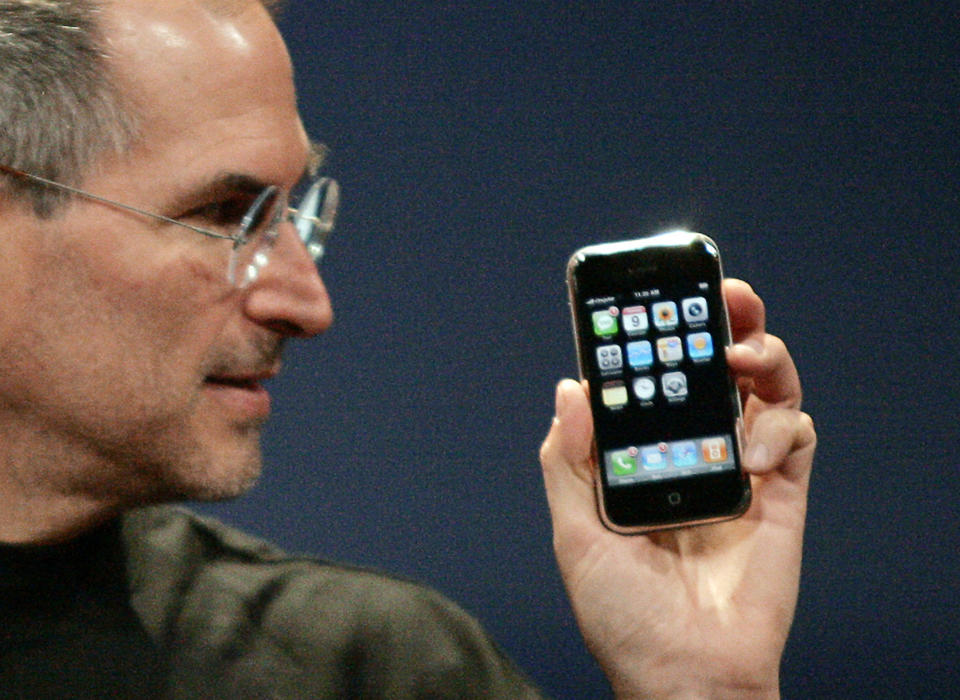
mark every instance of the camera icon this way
{"type": "Point", "coordinates": [695, 310]}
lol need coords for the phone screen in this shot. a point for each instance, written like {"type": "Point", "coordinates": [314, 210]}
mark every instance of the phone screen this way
{"type": "Point", "coordinates": [652, 329]}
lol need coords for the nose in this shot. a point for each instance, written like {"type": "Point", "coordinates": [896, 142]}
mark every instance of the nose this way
{"type": "Point", "coordinates": [288, 296]}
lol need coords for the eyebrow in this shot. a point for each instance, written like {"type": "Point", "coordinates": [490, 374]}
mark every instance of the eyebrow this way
{"type": "Point", "coordinates": [227, 183]}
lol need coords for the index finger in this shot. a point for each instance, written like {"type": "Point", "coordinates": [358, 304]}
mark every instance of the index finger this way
{"type": "Point", "coordinates": [748, 316]}
{"type": "Point", "coordinates": [764, 368]}
{"type": "Point", "coordinates": [760, 361]}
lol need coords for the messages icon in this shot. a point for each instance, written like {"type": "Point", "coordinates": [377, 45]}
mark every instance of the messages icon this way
{"type": "Point", "coordinates": [605, 322]}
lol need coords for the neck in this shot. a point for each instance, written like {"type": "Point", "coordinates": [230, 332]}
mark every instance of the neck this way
{"type": "Point", "coordinates": [41, 489]}
{"type": "Point", "coordinates": [47, 520]}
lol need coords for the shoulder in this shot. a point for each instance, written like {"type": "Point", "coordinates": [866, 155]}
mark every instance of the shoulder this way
{"type": "Point", "coordinates": [231, 606]}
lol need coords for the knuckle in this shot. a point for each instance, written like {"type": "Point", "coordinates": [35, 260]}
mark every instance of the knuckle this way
{"type": "Point", "coordinates": [808, 428]}
{"type": "Point", "coordinates": [776, 348]}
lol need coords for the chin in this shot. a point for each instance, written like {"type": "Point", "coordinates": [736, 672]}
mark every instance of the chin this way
{"type": "Point", "coordinates": [217, 490]}
{"type": "Point", "coordinates": [220, 480]}
{"type": "Point", "coordinates": [194, 464]}
{"type": "Point", "coordinates": [205, 472]}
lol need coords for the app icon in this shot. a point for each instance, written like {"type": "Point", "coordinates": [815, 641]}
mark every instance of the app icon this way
{"type": "Point", "coordinates": [635, 320]}
{"type": "Point", "coordinates": [684, 454]}
{"type": "Point", "coordinates": [714, 450]}
{"type": "Point", "coordinates": [614, 394]}
{"type": "Point", "coordinates": [623, 462]}
{"type": "Point", "coordinates": [674, 385]}
{"type": "Point", "coordinates": [665, 315]}
{"type": "Point", "coordinates": [639, 354]}
{"type": "Point", "coordinates": [609, 358]}
{"type": "Point", "coordinates": [699, 346]}
{"type": "Point", "coordinates": [669, 349]}
{"type": "Point", "coordinates": [644, 388]}
{"type": "Point", "coordinates": [695, 310]}
{"type": "Point", "coordinates": [654, 458]}
{"type": "Point", "coordinates": [605, 322]}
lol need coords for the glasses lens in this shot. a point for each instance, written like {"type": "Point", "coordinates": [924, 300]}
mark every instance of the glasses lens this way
{"type": "Point", "coordinates": [259, 213]}
{"type": "Point", "coordinates": [316, 215]}
{"type": "Point", "coordinates": [313, 219]}
{"type": "Point", "coordinates": [258, 231]}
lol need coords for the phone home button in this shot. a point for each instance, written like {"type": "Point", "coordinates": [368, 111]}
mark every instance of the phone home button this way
{"type": "Point", "coordinates": [673, 498]}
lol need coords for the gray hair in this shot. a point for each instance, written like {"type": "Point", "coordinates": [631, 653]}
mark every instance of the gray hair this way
{"type": "Point", "coordinates": [60, 110]}
{"type": "Point", "coordinates": [60, 106]}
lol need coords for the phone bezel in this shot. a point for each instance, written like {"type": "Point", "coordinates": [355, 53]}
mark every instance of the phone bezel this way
{"type": "Point", "coordinates": [678, 502]}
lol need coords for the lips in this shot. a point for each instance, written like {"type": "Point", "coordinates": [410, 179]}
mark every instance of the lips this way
{"type": "Point", "coordinates": [241, 393]}
{"type": "Point", "coordinates": [240, 378]}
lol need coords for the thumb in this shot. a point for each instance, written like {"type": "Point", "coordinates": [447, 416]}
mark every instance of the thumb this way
{"type": "Point", "coordinates": [567, 461]}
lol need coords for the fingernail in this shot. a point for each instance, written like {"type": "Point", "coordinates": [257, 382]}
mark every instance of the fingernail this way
{"type": "Point", "coordinates": [758, 456]}
{"type": "Point", "coordinates": [754, 345]}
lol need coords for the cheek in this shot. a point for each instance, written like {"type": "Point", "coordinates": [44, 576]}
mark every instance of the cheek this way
{"type": "Point", "coordinates": [149, 293]}
{"type": "Point", "coordinates": [124, 347]}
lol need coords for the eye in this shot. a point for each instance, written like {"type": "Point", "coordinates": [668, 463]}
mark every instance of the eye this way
{"type": "Point", "coordinates": [225, 212]}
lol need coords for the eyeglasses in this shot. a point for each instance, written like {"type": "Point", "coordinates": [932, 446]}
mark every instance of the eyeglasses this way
{"type": "Point", "coordinates": [313, 213]}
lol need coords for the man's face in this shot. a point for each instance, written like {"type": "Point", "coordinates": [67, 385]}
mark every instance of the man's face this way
{"type": "Point", "coordinates": [130, 367]}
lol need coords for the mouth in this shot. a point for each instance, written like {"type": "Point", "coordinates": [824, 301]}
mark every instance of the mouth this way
{"type": "Point", "coordinates": [240, 378]}
{"type": "Point", "coordinates": [248, 383]}
{"type": "Point", "coordinates": [241, 392]}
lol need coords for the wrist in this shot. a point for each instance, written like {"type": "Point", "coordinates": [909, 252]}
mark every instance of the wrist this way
{"type": "Point", "coordinates": [694, 681]}
{"type": "Point", "coordinates": [694, 691]}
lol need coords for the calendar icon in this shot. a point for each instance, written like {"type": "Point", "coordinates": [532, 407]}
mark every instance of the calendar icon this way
{"type": "Point", "coordinates": [634, 320]}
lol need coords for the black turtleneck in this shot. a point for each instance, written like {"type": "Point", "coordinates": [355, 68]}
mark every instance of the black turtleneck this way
{"type": "Point", "coordinates": [66, 626]}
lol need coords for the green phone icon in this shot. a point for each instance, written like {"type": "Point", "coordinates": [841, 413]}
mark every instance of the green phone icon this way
{"type": "Point", "coordinates": [624, 464]}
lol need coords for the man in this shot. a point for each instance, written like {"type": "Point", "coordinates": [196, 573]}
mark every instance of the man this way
{"type": "Point", "coordinates": [136, 136]}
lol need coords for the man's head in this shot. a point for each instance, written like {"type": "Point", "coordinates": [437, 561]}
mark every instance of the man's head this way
{"type": "Point", "coordinates": [131, 367]}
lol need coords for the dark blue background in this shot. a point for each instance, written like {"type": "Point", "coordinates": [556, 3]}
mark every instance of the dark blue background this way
{"type": "Point", "coordinates": [479, 144]}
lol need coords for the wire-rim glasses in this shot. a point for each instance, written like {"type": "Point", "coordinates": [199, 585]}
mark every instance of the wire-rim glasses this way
{"type": "Point", "coordinates": [311, 208]}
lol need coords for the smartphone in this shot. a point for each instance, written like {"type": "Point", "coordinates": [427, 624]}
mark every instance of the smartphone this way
{"type": "Point", "coordinates": [651, 329]}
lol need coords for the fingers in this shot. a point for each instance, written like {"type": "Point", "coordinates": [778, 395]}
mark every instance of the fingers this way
{"type": "Point", "coordinates": [784, 439]}
{"type": "Point", "coordinates": [764, 367]}
{"type": "Point", "coordinates": [746, 311]}
{"type": "Point", "coordinates": [760, 361]}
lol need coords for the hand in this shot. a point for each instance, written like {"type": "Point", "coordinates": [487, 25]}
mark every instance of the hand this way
{"type": "Point", "coordinates": [702, 611]}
